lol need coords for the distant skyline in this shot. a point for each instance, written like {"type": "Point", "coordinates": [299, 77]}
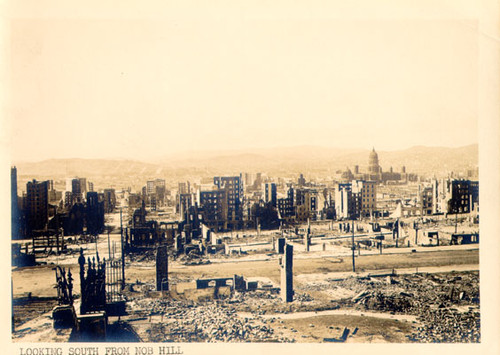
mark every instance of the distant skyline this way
{"type": "Point", "coordinates": [234, 152]}
{"type": "Point", "coordinates": [147, 87]}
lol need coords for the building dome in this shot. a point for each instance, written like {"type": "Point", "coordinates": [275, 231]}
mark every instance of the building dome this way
{"type": "Point", "coordinates": [347, 175]}
{"type": "Point", "coordinates": [373, 166]}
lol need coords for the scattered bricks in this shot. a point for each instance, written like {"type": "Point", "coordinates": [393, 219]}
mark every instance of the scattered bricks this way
{"type": "Point", "coordinates": [431, 297]}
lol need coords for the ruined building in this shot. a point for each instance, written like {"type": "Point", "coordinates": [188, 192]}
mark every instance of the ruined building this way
{"type": "Point", "coordinates": [15, 210]}
{"type": "Point", "coordinates": [222, 207]}
{"type": "Point", "coordinates": [355, 199]}
{"type": "Point", "coordinates": [142, 232]}
{"type": "Point", "coordinates": [270, 194]}
{"type": "Point", "coordinates": [286, 265]}
{"type": "Point", "coordinates": [455, 196]}
{"type": "Point", "coordinates": [37, 204]}
{"type": "Point", "coordinates": [109, 197]}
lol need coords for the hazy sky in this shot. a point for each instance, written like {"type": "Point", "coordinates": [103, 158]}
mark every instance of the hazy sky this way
{"type": "Point", "coordinates": [166, 79]}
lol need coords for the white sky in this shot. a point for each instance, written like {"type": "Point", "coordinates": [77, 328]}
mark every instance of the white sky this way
{"type": "Point", "coordinates": [171, 77]}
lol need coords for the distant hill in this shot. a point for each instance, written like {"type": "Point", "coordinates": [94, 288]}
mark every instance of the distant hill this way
{"type": "Point", "coordinates": [81, 167]}
{"type": "Point", "coordinates": [419, 158]}
{"type": "Point", "coordinates": [284, 160]}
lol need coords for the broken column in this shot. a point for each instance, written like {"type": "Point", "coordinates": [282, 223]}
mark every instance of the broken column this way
{"type": "Point", "coordinates": [161, 268]}
{"type": "Point", "coordinates": [286, 264]}
{"type": "Point", "coordinates": [281, 245]}
{"type": "Point", "coordinates": [178, 244]}
{"type": "Point", "coordinates": [307, 236]}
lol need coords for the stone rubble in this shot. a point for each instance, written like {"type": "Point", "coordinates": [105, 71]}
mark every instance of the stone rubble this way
{"type": "Point", "coordinates": [208, 322]}
{"type": "Point", "coordinates": [446, 306]}
{"type": "Point", "coordinates": [434, 298]}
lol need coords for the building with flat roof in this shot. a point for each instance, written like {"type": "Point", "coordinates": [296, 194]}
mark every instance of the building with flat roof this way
{"type": "Point", "coordinates": [365, 193]}
{"type": "Point", "coordinates": [355, 199]}
{"type": "Point", "coordinates": [214, 208]}
{"type": "Point", "coordinates": [270, 193]}
{"type": "Point", "coordinates": [37, 203]}
{"type": "Point", "coordinates": [14, 202]}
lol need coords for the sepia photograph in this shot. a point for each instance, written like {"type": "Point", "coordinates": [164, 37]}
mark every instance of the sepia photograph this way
{"type": "Point", "coordinates": [192, 176]}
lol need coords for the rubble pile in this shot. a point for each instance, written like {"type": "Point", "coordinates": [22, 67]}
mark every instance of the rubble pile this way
{"type": "Point", "coordinates": [302, 297]}
{"type": "Point", "coordinates": [434, 298]}
{"type": "Point", "coordinates": [448, 325]}
{"type": "Point", "coordinates": [257, 302]}
{"type": "Point", "coordinates": [265, 302]}
{"type": "Point", "coordinates": [145, 255]}
{"type": "Point", "coordinates": [387, 302]}
{"type": "Point", "coordinates": [192, 259]}
{"type": "Point", "coordinates": [209, 322]}
{"type": "Point", "coordinates": [446, 306]}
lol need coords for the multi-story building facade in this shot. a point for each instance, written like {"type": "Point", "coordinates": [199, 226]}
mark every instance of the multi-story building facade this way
{"type": "Point", "coordinates": [355, 199]}
{"type": "Point", "coordinates": [76, 190]}
{"type": "Point", "coordinates": [306, 203]}
{"type": "Point", "coordinates": [474, 193]}
{"type": "Point", "coordinates": [94, 212]}
{"type": "Point", "coordinates": [214, 208]}
{"type": "Point", "coordinates": [154, 193]}
{"type": "Point", "coordinates": [150, 187]}
{"type": "Point", "coordinates": [234, 193]}
{"type": "Point", "coordinates": [301, 180]}
{"type": "Point", "coordinates": [455, 196]}
{"type": "Point", "coordinates": [270, 193]}
{"type": "Point", "coordinates": [83, 186]}
{"type": "Point", "coordinates": [37, 205]}
{"type": "Point", "coordinates": [184, 188]}
{"type": "Point", "coordinates": [425, 200]}
{"type": "Point", "coordinates": [222, 207]}
{"type": "Point", "coordinates": [286, 209]}
{"type": "Point", "coordinates": [461, 196]}
{"type": "Point", "coordinates": [185, 201]}
{"type": "Point", "coordinates": [14, 200]}
{"type": "Point", "coordinates": [68, 199]}
{"type": "Point", "coordinates": [439, 196]}
{"type": "Point", "coordinates": [109, 200]}
{"type": "Point", "coordinates": [365, 194]}
{"type": "Point", "coordinates": [345, 204]}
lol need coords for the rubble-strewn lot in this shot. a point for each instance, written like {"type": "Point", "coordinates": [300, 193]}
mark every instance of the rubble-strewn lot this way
{"type": "Point", "coordinates": [422, 307]}
{"type": "Point", "coordinates": [207, 322]}
{"type": "Point", "coordinates": [445, 308]}
{"type": "Point", "coordinates": [27, 308]}
{"type": "Point", "coordinates": [447, 305]}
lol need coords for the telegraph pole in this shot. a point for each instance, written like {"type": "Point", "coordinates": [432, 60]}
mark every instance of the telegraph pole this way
{"type": "Point", "coordinates": [123, 250]}
{"type": "Point", "coordinates": [353, 256]}
{"type": "Point", "coordinates": [109, 245]}
{"type": "Point", "coordinates": [416, 232]}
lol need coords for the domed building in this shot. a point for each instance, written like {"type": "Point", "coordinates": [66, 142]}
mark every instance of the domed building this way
{"type": "Point", "coordinates": [374, 169]}
{"type": "Point", "coordinates": [347, 175]}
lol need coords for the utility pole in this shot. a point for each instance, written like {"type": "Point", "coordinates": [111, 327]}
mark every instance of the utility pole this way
{"type": "Point", "coordinates": [397, 231]}
{"type": "Point", "coordinates": [416, 232]}
{"type": "Point", "coordinates": [109, 245]}
{"type": "Point", "coordinates": [123, 250]}
{"type": "Point", "coordinates": [353, 256]}
{"type": "Point", "coordinates": [97, 235]}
